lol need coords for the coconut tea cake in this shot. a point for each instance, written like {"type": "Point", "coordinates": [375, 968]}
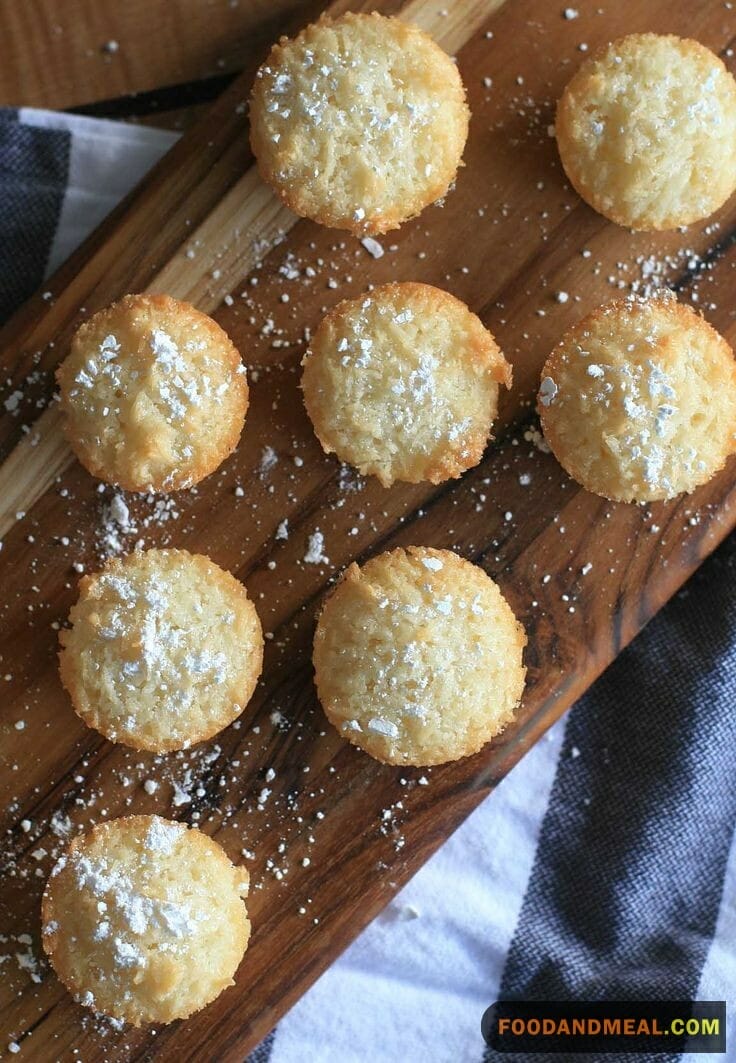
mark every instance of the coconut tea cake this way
{"type": "Point", "coordinates": [403, 383]}
{"type": "Point", "coordinates": [163, 650]}
{"type": "Point", "coordinates": [154, 394]}
{"type": "Point", "coordinates": [359, 122]}
{"type": "Point", "coordinates": [143, 920]}
{"type": "Point", "coordinates": [638, 400]}
{"type": "Point", "coordinates": [647, 131]}
{"type": "Point", "coordinates": [418, 657]}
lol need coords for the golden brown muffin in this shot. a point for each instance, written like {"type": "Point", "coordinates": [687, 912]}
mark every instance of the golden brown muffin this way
{"type": "Point", "coordinates": [403, 384]}
{"type": "Point", "coordinates": [638, 400]}
{"type": "Point", "coordinates": [154, 394]}
{"type": "Point", "coordinates": [359, 122]}
{"type": "Point", "coordinates": [418, 657]}
{"type": "Point", "coordinates": [164, 650]}
{"type": "Point", "coordinates": [647, 131]}
{"type": "Point", "coordinates": [143, 919]}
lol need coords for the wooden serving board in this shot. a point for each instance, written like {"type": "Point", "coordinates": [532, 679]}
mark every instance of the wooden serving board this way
{"type": "Point", "coordinates": [332, 834]}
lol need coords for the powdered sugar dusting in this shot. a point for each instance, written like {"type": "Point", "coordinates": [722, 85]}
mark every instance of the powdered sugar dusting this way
{"type": "Point", "coordinates": [162, 836]}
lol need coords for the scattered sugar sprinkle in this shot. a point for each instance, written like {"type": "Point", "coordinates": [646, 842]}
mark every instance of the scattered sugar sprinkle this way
{"type": "Point", "coordinates": [315, 554]}
{"type": "Point", "coordinates": [373, 247]}
{"type": "Point", "coordinates": [269, 459]}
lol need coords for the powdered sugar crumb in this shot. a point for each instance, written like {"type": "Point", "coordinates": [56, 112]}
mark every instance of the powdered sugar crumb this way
{"type": "Point", "coordinates": [315, 554]}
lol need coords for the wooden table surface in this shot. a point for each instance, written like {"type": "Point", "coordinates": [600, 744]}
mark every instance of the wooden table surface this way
{"type": "Point", "coordinates": [71, 53]}
{"type": "Point", "coordinates": [510, 237]}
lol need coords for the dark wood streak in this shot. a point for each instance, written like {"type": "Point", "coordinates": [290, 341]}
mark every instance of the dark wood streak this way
{"type": "Point", "coordinates": [706, 261]}
{"type": "Point", "coordinates": [167, 98]}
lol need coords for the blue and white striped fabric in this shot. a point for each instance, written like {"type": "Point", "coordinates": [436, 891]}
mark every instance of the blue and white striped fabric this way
{"type": "Point", "coordinates": [602, 867]}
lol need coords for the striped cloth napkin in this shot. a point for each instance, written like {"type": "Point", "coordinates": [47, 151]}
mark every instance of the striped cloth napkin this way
{"type": "Point", "coordinates": [602, 867]}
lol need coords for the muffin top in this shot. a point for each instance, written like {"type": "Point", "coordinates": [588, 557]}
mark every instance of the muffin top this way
{"type": "Point", "coordinates": [638, 400]}
{"type": "Point", "coordinates": [403, 383]}
{"type": "Point", "coordinates": [647, 131]}
{"type": "Point", "coordinates": [418, 657]}
{"type": "Point", "coordinates": [143, 919]}
{"type": "Point", "coordinates": [154, 394]}
{"type": "Point", "coordinates": [359, 122]}
{"type": "Point", "coordinates": [164, 650]}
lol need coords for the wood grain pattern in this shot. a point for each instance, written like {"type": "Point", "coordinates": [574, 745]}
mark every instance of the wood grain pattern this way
{"type": "Point", "coordinates": [54, 53]}
{"type": "Point", "coordinates": [507, 239]}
